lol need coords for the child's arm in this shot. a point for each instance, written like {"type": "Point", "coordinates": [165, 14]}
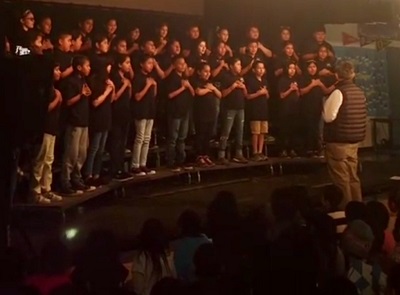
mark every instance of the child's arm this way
{"type": "Point", "coordinates": [190, 87]}
{"type": "Point", "coordinates": [149, 82]}
{"type": "Point", "coordinates": [246, 69]}
{"type": "Point", "coordinates": [55, 102]}
{"type": "Point", "coordinates": [168, 72]}
{"type": "Point", "coordinates": [308, 88]}
{"type": "Point", "coordinates": [99, 100]}
{"type": "Point", "coordinates": [286, 93]}
{"type": "Point", "coordinates": [266, 51]}
{"type": "Point", "coordinates": [67, 72]}
{"type": "Point", "coordinates": [175, 93]}
{"type": "Point", "coordinates": [227, 91]}
{"type": "Point", "coordinates": [159, 71]}
{"type": "Point", "coordinates": [118, 94]}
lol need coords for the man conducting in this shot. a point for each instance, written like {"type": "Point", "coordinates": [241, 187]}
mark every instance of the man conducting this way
{"type": "Point", "coordinates": [345, 116]}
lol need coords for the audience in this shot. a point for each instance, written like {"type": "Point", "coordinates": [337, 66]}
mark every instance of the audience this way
{"type": "Point", "coordinates": [298, 251]}
{"type": "Point", "coordinates": [191, 238]}
{"type": "Point", "coordinates": [153, 260]}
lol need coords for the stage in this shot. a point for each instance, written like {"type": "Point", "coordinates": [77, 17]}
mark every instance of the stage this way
{"type": "Point", "coordinates": [124, 206]}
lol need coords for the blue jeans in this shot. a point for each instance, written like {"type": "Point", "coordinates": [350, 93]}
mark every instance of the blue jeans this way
{"type": "Point", "coordinates": [231, 118]}
{"type": "Point", "coordinates": [94, 160]}
{"type": "Point", "coordinates": [177, 133]}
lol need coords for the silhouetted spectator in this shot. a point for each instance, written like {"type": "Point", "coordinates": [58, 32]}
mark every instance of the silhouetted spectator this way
{"type": "Point", "coordinates": [153, 261]}
{"type": "Point", "coordinates": [333, 197]}
{"type": "Point", "coordinates": [54, 266]}
{"type": "Point", "coordinates": [338, 285]}
{"type": "Point", "coordinates": [99, 270]}
{"type": "Point", "coordinates": [378, 219]}
{"type": "Point", "coordinates": [168, 286]}
{"type": "Point", "coordinates": [355, 211]}
{"type": "Point", "coordinates": [186, 246]}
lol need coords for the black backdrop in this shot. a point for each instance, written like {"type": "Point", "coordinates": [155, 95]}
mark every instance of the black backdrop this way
{"type": "Point", "coordinates": [301, 15]}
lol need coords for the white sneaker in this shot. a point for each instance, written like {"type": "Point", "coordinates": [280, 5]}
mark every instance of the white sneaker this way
{"type": "Point", "coordinates": [39, 199]}
{"type": "Point", "coordinates": [52, 197]}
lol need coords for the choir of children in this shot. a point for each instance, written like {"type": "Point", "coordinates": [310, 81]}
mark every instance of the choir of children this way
{"type": "Point", "coordinates": [108, 87]}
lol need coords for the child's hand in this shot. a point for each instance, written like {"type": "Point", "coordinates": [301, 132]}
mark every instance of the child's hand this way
{"type": "Point", "coordinates": [86, 90]}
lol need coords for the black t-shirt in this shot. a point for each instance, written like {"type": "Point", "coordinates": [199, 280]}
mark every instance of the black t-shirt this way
{"type": "Point", "coordinates": [146, 107]}
{"type": "Point", "coordinates": [194, 60]}
{"type": "Point", "coordinates": [99, 62]}
{"type": "Point", "coordinates": [189, 44]}
{"type": "Point", "coordinates": [19, 38]}
{"type": "Point", "coordinates": [257, 108]}
{"type": "Point", "coordinates": [247, 59]}
{"type": "Point", "coordinates": [100, 116]}
{"type": "Point", "coordinates": [281, 62]}
{"type": "Point", "coordinates": [290, 103]}
{"type": "Point", "coordinates": [52, 124]}
{"type": "Point", "coordinates": [214, 62]}
{"type": "Point", "coordinates": [120, 107]}
{"type": "Point", "coordinates": [205, 107]}
{"type": "Point", "coordinates": [313, 47]}
{"type": "Point", "coordinates": [180, 105]}
{"type": "Point", "coordinates": [64, 59]}
{"type": "Point", "coordinates": [236, 99]}
{"type": "Point", "coordinates": [77, 115]}
{"type": "Point", "coordinates": [312, 101]}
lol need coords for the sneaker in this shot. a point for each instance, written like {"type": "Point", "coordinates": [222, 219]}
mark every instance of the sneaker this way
{"type": "Point", "coordinates": [40, 199]}
{"type": "Point", "coordinates": [68, 191]}
{"type": "Point", "coordinates": [127, 151]}
{"type": "Point", "coordinates": [95, 182]}
{"type": "Point", "coordinates": [148, 171]}
{"type": "Point", "coordinates": [187, 167]}
{"type": "Point", "coordinates": [293, 154]}
{"type": "Point", "coordinates": [208, 161]}
{"type": "Point", "coordinates": [80, 186]}
{"type": "Point", "coordinates": [257, 158]}
{"type": "Point", "coordinates": [264, 157]}
{"type": "Point", "coordinates": [122, 176]}
{"type": "Point", "coordinates": [240, 159]}
{"type": "Point", "coordinates": [52, 197]}
{"type": "Point", "coordinates": [223, 161]}
{"type": "Point", "coordinates": [320, 154]}
{"type": "Point", "coordinates": [175, 169]}
{"type": "Point", "coordinates": [201, 162]}
{"type": "Point", "coordinates": [137, 172]}
{"type": "Point", "coordinates": [284, 154]}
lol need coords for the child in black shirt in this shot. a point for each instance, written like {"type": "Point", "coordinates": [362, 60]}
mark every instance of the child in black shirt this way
{"type": "Point", "coordinates": [76, 42]}
{"type": "Point", "coordinates": [111, 29]}
{"type": "Point", "coordinates": [161, 38]}
{"type": "Point", "coordinates": [190, 43]}
{"type": "Point", "coordinates": [289, 109]}
{"type": "Point", "coordinates": [257, 108]}
{"type": "Point", "coordinates": [233, 101]}
{"type": "Point", "coordinates": [100, 58]}
{"type": "Point", "coordinates": [205, 113]}
{"type": "Point", "coordinates": [180, 96]}
{"type": "Point", "coordinates": [45, 27]}
{"type": "Point", "coordinates": [62, 55]}
{"type": "Point", "coordinates": [42, 176]}
{"type": "Point", "coordinates": [99, 123]}
{"type": "Point", "coordinates": [326, 65]}
{"type": "Point", "coordinates": [197, 56]}
{"type": "Point", "coordinates": [223, 36]}
{"type": "Point", "coordinates": [288, 55]}
{"type": "Point", "coordinates": [218, 63]}
{"type": "Point", "coordinates": [312, 90]}
{"type": "Point", "coordinates": [121, 115]}
{"type": "Point", "coordinates": [76, 96]}
{"type": "Point", "coordinates": [144, 91]}
{"type": "Point", "coordinates": [285, 37]}
{"type": "Point", "coordinates": [250, 57]}
{"type": "Point", "coordinates": [86, 27]}
{"type": "Point", "coordinates": [133, 41]}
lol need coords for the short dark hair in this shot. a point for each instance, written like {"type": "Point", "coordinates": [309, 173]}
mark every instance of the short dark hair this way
{"type": "Point", "coordinates": [32, 36]}
{"type": "Point", "coordinates": [145, 41]}
{"type": "Point", "coordinates": [345, 70]}
{"type": "Point", "coordinates": [333, 195]}
{"type": "Point", "coordinates": [76, 34]}
{"type": "Point", "coordinates": [256, 63]}
{"type": "Point", "coordinates": [233, 60]}
{"type": "Point", "coordinates": [120, 58]}
{"type": "Point", "coordinates": [320, 28]}
{"type": "Point", "coordinates": [176, 58]}
{"type": "Point", "coordinates": [98, 38]}
{"type": "Point", "coordinates": [145, 57]}
{"type": "Point", "coordinates": [63, 35]}
{"type": "Point", "coordinates": [251, 41]}
{"type": "Point", "coordinates": [85, 18]}
{"type": "Point", "coordinates": [79, 61]}
{"type": "Point", "coordinates": [356, 211]}
{"type": "Point", "coordinates": [190, 223]}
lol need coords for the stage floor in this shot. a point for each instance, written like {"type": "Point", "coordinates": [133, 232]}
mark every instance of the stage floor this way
{"type": "Point", "coordinates": [167, 198]}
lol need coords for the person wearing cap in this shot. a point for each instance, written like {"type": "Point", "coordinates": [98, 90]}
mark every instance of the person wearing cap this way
{"type": "Point", "coordinates": [345, 117]}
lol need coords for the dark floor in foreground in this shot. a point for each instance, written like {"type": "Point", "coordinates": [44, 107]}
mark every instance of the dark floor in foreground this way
{"type": "Point", "coordinates": [125, 216]}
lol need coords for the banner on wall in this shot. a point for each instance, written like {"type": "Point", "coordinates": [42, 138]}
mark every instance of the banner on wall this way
{"type": "Point", "coordinates": [382, 44]}
{"type": "Point", "coordinates": [348, 39]}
